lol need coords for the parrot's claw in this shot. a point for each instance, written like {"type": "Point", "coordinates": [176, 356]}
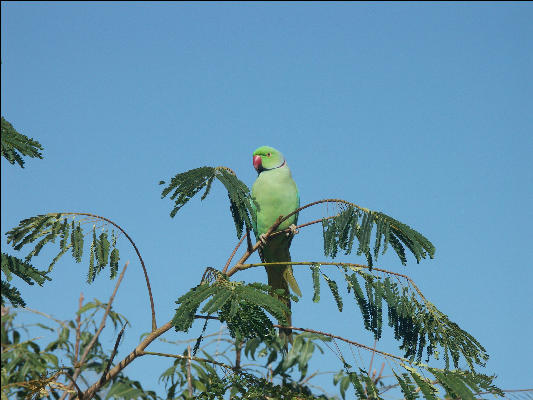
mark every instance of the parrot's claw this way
{"type": "Point", "coordinates": [293, 231]}
{"type": "Point", "coordinates": [263, 240]}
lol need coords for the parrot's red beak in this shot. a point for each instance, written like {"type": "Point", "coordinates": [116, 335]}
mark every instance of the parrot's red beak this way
{"type": "Point", "coordinates": [257, 163]}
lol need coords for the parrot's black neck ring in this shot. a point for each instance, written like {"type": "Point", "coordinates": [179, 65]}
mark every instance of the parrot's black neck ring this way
{"type": "Point", "coordinates": [270, 169]}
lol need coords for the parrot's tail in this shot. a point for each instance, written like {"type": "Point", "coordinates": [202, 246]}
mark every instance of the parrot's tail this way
{"type": "Point", "coordinates": [281, 277]}
{"type": "Point", "coordinates": [276, 281]}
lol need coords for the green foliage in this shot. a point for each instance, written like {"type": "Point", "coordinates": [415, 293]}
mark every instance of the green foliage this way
{"type": "Point", "coordinates": [409, 389]}
{"type": "Point", "coordinates": [29, 368]}
{"type": "Point", "coordinates": [14, 266]}
{"type": "Point", "coordinates": [334, 291]}
{"type": "Point", "coordinates": [298, 355]}
{"type": "Point", "coordinates": [456, 384]}
{"type": "Point", "coordinates": [413, 383]}
{"type": "Point", "coordinates": [15, 145]}
{"type": "Point", "coordinates": [364, 386]}
{"type": "Point", "coordinates": [316, 283]}
{"type": "Point", "coordinates": [241, 306]}
{"type": "Point", "coordinates": [128, 389]}
{"type": "Point", "coordinates": [351, 223]}
{"type": "Point", "coordinates": [186, 185]}
{"type": "Point", "coordinates": [212, 382]}
{"type": "Point", "coordinates": [47, 228]}
{"type": "Point", "coordinates": [12, 294]}
{"type": "Point", "coordinates": [419, 325]}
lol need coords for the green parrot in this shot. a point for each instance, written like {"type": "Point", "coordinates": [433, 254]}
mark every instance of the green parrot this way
{"type": "Point", "coordinates": [275, 193]}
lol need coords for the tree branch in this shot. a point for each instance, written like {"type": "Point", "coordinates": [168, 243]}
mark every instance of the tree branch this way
{"type": "Point", "coordinates": [272, 230]}
{"type": "Point", "coordinates": [189, 375]}
{"type": "Point", "coordinates": [137, 352]}
{"type": "Point", "coordinates": [242, 267]}
{"type": "Point", "coordinates": [193, 358]}
{"type": "Point", "coordinates": [344, 340]}
{"type": "Point", "coordinates": [234, 251]}
{"type": "Point", "coordinates": [114, 353]}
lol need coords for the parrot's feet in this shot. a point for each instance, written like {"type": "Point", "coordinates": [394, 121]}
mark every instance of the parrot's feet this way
{"type": "Point", "coordinates": [293, 231]}
{"type": "Point", "coordinates": [263, 239]}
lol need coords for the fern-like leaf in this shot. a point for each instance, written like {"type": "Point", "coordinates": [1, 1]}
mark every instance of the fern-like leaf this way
{"type": "Point", "coordinates": [241, 307]}
{"type": "Point", "coordinates": [186, 185]}
{"type": "Point", "coordinates": [418, 325]}
{"type": "Point", "coordinates": [340, 232]}
{"type": "Point", "coordinates": [15, 145]}
{"type": "Point", "coordinates": [45, 229]}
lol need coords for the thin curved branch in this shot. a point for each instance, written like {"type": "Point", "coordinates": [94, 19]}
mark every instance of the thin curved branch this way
{"type": "Point", "coordinates": [154, 325]}
{"type": "Point", "coordinates": [324, 334]}
{"type": "Point", "coordinates": [62, 323]}
{"type": "Point", "coordinates": [246, 266]}
{"type": "Point", "coordinates": [234, 251]}
{"type": "Point", "coordinates": [192, 358]}
{"type": "Point", "coordinates": [272, 230]}
{"type": "Point", "coordinates": [345, 340]}
{"type": "Point", "coordinates": [367, 210]}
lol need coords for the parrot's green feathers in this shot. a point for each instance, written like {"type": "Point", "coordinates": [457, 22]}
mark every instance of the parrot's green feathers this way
{"type": "Point", "coordinates": [289, 277]}
{"type": "Point", "coordinates": [270, 157]}
{"type": "Point", "coordinates": [275, 193]}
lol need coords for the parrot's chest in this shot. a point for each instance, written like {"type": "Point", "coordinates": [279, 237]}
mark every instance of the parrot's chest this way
{"type": "Point", "coordinates": [275, 194]}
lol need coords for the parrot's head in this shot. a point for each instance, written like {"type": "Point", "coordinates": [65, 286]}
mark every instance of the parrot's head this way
{"type": "Point", "coordinates": [266, 158]}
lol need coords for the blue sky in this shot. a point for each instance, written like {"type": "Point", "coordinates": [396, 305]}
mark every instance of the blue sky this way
{"type": "Point", "coordinates": [422, 111]}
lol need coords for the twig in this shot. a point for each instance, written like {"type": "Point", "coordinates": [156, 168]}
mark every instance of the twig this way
{"type": "Point", "coordinates": [189, 377]}
{"type": "Point", "coordinates": [113, 354]}
{"type": "Point", "coordinates": [303, 382]}
{"type": "Point", "coordinates": [372, 358]}
{"type": "Point", "coordinates": [46, 316]}
{"type": "Point", "coordinates": [238, 349]}
{"type": "Point", "coordinates": [272, 230]}
{"type": "Point", "coordinates": [344, 340]}
{"type": "Point", "coordinates": [249, 252]}
{"type": "Point", "coordinates": [242, 267]}
{"type": "Point", "coordinates": [154, 325]}
{"type": "Point", "coordinates": [80, 393]}
{"type": "Point", "coordinates": [152, 353]}
{"type": "Point", "coordinates": [324, 334]}
{"type": "Point", "coordinates": [102, 325]}
{"type": "Point", "coordinates": [380, 372]}
{"type": "Point", "coordinates": [234, 251]}
{"type": "Point", "coordinates": [78, 328]}
{"type": "Point", "coordinates": [320, 202]}
{"type": "Point", "coordinates": [507, 391]}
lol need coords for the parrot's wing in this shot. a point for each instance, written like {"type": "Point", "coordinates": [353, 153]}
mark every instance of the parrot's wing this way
{"type": "Point", "coordinates": [295, 217]}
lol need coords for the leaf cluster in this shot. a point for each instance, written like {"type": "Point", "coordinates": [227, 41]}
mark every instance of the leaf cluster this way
{"type": "Point", "coordinates": [184, 186]}
{"type": "Point", "coordinates": [456, 384]}
{"type": "Point", "coordinates": [353, 223]}
{"type": "Point", "coordinates": [242, 307]}
{"type": "Point", "coordinates": [300, 353]}
{"type": "Point", "coordinates": [15, 145]}
{"type": "Point", "coordinates": [14, 266]}
{"type": "Point", "coordinates": [414, 383]}
{"type": "Point", "coordinates": [48, 228]}
{"type": "Point", "coordinates": [210, 382]}
{"type": "Point", "coordinates": [29, 368]}
{"type": "Point", "coordinates": [419, 325]}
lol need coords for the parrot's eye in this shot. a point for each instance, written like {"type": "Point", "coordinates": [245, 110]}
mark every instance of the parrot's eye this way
{"type": "Point", "coordinates": [268, 154]}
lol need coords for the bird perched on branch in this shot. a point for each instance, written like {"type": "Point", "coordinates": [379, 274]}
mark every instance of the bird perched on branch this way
{"type": "Point", "coordinates": [275, 193]}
